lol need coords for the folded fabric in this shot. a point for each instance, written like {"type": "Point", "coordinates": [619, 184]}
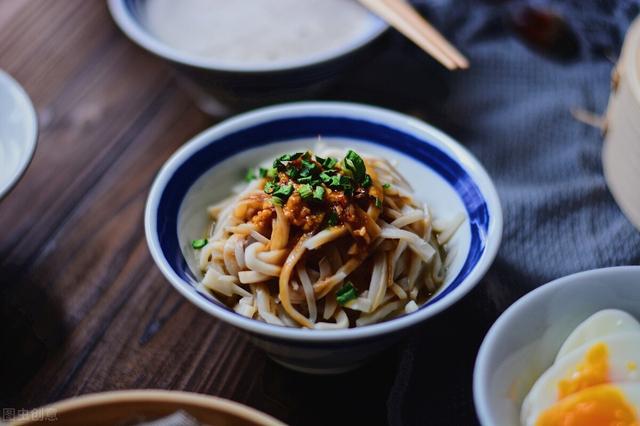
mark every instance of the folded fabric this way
{"type": "Point", "coordinates": [512, 108]}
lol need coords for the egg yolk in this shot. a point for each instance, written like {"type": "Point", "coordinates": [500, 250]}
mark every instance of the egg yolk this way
{"type": "Point", "coordinates": [603, 405]}
{"type": "Point", "coordinates": [592, 371]}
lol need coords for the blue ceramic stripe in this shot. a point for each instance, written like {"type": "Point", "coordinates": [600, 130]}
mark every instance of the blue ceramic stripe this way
{"type": "Point", "coordinates": [310, 127]}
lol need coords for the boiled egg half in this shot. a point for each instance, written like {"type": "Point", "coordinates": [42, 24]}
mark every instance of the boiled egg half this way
{"type": "Point", "coordinates": [595, 379]}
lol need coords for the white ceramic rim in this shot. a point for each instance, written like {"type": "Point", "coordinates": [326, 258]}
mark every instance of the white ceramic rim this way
{"type": "Point", "coordinates": [397, 120]}
{"type": "Point", "coordinates": [158, 395]}
{"type": "Point", "coordinates": [481, 371]}
{"type": "Point", "coordinates": [136, 32]}
{"type": "Point", "coordinates": [30, 116]}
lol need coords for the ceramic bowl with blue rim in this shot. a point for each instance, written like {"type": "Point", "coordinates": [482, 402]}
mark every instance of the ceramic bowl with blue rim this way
{"type": "Point", "coordinates": [219, 87]}
{"type": "Point", "coordinates": [443, 174]}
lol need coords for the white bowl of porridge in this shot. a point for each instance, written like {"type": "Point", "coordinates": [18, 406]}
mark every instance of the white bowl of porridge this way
{"type": "Point", "coordinates": [252, 52]}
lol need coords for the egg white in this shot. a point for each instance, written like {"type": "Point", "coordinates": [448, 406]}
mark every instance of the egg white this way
{"type": "Point", "coordinates": [602, 323]}
{"type": "Point", "coordinates": [623, 349]}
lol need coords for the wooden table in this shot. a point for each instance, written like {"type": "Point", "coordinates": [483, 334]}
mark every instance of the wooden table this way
{"type": "Point", "coordinates": [82, 305]}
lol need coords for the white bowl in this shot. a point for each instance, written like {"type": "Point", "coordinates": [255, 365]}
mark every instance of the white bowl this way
{"type": "Point", "coordinates": [444, 174]}
{"type": "Point", "coordinates": [18, 132]}
{"type": "Point", "coordinates": [524, 341]}
{"type": "Point", "coordinates": [218, 86]}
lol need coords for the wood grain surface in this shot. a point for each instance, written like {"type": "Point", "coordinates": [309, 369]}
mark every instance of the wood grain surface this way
{"type": "Point", "coordinates": [83, 307]}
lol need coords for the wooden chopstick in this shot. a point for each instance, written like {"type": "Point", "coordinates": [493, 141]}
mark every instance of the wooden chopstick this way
{"type": "Point", "coordinates": [429, 31]}
{"type": "Point", "coordinates": [403, 17]}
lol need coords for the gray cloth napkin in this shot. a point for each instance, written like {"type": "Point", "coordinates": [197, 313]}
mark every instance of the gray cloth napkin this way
{"type": "Point", "coordinates": [512, 110]}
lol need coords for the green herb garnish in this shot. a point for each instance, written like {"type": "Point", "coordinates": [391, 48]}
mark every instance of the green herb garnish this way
{"type": "Point", "coordinates": [329, 163]}
{"type": "Point", "coordinates": [287, 157]}
{"type": "Point", "coordinates": [378, 203]}
{"type": "Point", "coordinates": [318, 193]}
{"type": "Point", "coordinates": [346, 293]}
{"type": "Point", "coordinates": [386, 186]}
{"type": "Point", "coordinates": [251, 175]}
{"type": "Point", "coordinates": [367, 181]}
{"type": "Point", "coordinates": [269, 187]}
{"type": "Point", "coordinates": [305, 191]}
{"type": "Point", "coordinates": [198, 244]}
{"type": "Point", "coordinates": [354, 163]}
{"type": "Point", "coordinates": [292, 172]}
{"type": "Point", "coordinates": [325, 178]}
{"type": "Point", "coordinates": [272, 172]}
{"type": "Point", "coordinates": [308, 168]}
{"type": "Point", "coordinates": [279, 162]}
{"type": "Point", "coordinates": [334, 182]}
{"type": "Point", "coordinates": [283, 192]}
{"type": "Point", "coordinates": [276, 201]}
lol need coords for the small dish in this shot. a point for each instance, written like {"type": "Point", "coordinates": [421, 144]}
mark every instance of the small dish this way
{"type": "Point", "coordinates": [18, 132]}
{"type": "Point", "coordinates": [524, 341]}
{"type": "Point", "coordinates": [446, 176]}
{"type": "Point", "coordinates": [135, 406]}
{"type": "Point", "coordinates": [219, 87]}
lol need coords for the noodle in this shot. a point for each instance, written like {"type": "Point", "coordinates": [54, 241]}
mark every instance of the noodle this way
{"type": "Point", "coordinates": [320, 243]}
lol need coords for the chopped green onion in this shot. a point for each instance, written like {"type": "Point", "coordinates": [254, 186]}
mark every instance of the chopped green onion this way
{"type": "Point", "coordinates": [325, 177]}
{"type": "Point", "coordinates": [279, 162]}
{"type": "Point", "coordinates": [378, 203]}
{"type": "Point", "coordinates": [305, 172]}
{"type": "Point", "coordinates": [292, 172]}
{"type": "Point", "coordinates": [287, 157]}
{"type": "Point", "coordinates": [332, 219]}
{"type": "Point", "coordinates": [305, 191]}
{"type": "Point", "coordinates": [329, 163]}
{"type": "Point", "coordinates": [318, 193]}
{"type": "Point", "coordinates": [386, 186]}
{"type": "Point", "coordinates": [262, 172]}
{"type": "Point", "coordinates": [250, 175]}
{"type": "Point", "coordinates": [355, 164]}
{"type": "Point", "coordinates": [269, 187]}
{"type": "Point", "coordinates": [272, 172]}
{"type": "Point", "coordinates": [367, 181]}
{"type": "Point", "coordinates": [283, 191]}
{"type": "Point", "coordinates": [334, 182]}
{"type": "Point", "coordinates": [308, 167]}
{"type": "Point", "coordinates": [198, 244]}
{"type": "Point", "coordinates": [346, 293]}
{"type": "Point", "coordinates": [276, 201]}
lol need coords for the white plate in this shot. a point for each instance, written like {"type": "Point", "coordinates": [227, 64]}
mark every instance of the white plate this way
{"type": "Point", "coordinates": [18, 132]}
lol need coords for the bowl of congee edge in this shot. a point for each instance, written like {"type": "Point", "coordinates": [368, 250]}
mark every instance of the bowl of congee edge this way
{"type": "Point", "coordinates": [569, 349]}
{"type": "Point", "coordinates": [241, 55]}
{"type": "Point", "coordinates": [445, 183]}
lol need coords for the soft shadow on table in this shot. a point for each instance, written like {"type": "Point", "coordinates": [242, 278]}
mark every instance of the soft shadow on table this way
{"type": "Point", "coordinates": [31, 325]}
{"type": "Point", "coordinates": [356, 397]}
